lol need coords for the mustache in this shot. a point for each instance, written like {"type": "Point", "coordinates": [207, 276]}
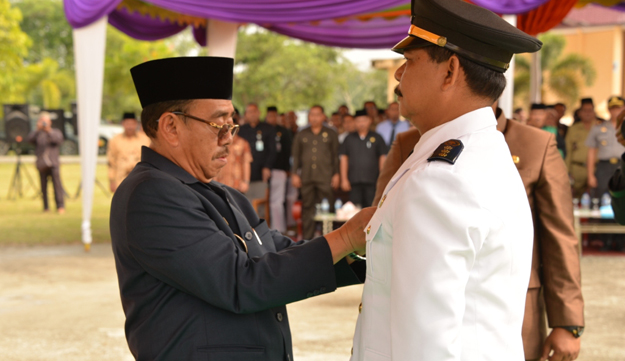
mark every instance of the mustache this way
{"type": "Point", "coordinates": [398, 92]}
{"type": "Point", "coordinates": [221, 154]}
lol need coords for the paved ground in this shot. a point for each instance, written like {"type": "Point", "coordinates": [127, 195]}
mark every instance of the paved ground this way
{"type": "Point", "coordinates": [60, 303]}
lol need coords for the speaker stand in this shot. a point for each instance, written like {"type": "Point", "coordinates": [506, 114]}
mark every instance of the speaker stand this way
{"type": "Point", "coordinates": [15, 187]}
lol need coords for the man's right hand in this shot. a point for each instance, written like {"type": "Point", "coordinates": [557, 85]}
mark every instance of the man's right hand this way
{"type": "Point", "coordinates": [351, 236]}
{"type": "Point", "coordinates": [346, 186]}
{"type": "Point", "coordinates": [296, 180]}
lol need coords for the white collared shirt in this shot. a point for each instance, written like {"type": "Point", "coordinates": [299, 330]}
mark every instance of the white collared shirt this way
{"type": "Point", "coordinates": [449, 253]}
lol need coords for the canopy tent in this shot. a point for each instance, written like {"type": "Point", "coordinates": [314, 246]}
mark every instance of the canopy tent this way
{"type": "Point", "coordinates": [345, 23]}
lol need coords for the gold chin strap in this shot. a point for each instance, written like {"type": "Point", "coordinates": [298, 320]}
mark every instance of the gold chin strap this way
{"type": "Point", "coordinates": [443, 43]}
{"type": "Point", "coordinates": [428, 36]}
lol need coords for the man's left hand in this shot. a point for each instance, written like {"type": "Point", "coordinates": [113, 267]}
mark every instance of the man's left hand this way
{"type": "Point", "coordinates": [266, 174]}
{"type": "Point", "coordinates": [336, 179]}
{"type": "Point", "coordinates": [565, 346]}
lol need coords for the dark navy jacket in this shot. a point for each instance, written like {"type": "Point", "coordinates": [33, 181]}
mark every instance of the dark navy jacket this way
{"type": "Point", "coordinates": [189, 289]}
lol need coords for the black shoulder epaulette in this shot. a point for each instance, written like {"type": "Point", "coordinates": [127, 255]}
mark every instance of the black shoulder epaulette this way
{"type": "Point", "coordinates": [448, 151]}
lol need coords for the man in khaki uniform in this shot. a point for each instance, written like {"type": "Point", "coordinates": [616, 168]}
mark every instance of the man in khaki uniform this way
{"type": "Point", "coordinates": [124, 150]}
{"type": "Point", "coordinates": [555, 281]}
{"type": "Point", "coordinates": [315, 166]}
{"type": "Point", "coordinates": [576, 149]}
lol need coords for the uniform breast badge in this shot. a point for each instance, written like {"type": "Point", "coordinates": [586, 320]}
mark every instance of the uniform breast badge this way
{"type": "Point", "coordinates": [448, 151]}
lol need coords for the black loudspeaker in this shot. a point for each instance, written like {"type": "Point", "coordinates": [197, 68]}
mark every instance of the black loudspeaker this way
{"type": "Point", "coordinates": [57, 116]}
{"type": "Point", "coordinates": [74, 119]}
{"type": "Point", "coordinates": [16, 122]}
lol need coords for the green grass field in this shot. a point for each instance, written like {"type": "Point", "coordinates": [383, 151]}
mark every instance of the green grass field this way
{"type": "Point", "coordinates": [22, 221]}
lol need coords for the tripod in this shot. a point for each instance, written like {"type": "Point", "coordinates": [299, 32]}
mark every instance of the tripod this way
{"type": "Point", "coordinates": [15, 188]}
{"type": "Point", "coordinates": [98, 183]}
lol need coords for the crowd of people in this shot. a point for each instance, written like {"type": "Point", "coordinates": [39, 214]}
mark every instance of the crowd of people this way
{"type": "Point", "coordinates": [335, 157]}
{"type": "Point", "coordinates": [589, 147]}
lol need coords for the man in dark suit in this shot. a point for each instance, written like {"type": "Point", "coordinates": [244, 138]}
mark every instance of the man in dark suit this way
{"type": "Point", "coordinates": [555, 281]}
{"type": "Point", "coordinates": [201, 277]}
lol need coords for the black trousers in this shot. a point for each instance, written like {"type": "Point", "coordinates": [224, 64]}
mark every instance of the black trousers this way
{"type": "Point", "coordinates": [312, 194]}
{"type": "Point", "coordinates": [362, 194]}
{"type": "Point", "coordinates": [603, 171]}
{"type": "Point", "coordinates": [56, 182]}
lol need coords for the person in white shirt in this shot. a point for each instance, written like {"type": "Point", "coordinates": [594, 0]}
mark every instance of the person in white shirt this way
{"type": "Point", "coordinates": [389, 128]}
{"type": "Point", "coordinates": [449, 248]}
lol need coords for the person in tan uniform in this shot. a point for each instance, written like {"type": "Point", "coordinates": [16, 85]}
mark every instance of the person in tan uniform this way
{"type": "Point", "coordinates": [124, 150]}
{"type": "Point", "coordinates": [576, 149]}
{"type": "Point", "coordinates": [555, 280]}
{"type": "Point", "coordinates": [315, 166]}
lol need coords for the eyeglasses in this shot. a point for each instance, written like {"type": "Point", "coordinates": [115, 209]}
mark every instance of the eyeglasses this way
{"type": "Point", "coordinates": [233, 129]}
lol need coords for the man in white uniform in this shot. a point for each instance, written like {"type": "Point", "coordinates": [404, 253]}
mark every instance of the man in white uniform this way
{"type": "Point", "coordinates": [449, 248]}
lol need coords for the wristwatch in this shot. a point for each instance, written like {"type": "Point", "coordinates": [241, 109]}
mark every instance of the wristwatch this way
{"type": "Point", "coordinates": [577, 331]}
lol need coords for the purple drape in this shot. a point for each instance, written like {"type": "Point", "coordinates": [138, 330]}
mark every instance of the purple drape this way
{"type": "Point", "coordinates": [373, 34]}
{"type": "Point", "coordinates": [294, 18]}
{"type": "Point", "coordinates": [83, 12]}
{"type": "Point", "coordinates": [509, 6]}
{"type": "Point", "coordinates": [143, 27]}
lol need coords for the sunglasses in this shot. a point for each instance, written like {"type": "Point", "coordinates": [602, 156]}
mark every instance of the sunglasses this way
{"type": "Point", "coordinates": [233, 129]}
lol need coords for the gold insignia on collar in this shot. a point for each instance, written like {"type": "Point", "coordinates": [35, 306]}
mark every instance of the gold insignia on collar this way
{"type": "Point", "coordinates": [516, 159]}
{"type": "Point", "coordinates": [325, 134]}
{"type": "Point", "coordinates": [372, 139]}
{"type": "Point", "coordinates": [368, 229]}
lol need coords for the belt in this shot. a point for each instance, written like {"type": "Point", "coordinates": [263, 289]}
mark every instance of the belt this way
{"type": "Point", "coordinates": [582, 164]}
{"type": "Point", "coordinates": [613, 160]}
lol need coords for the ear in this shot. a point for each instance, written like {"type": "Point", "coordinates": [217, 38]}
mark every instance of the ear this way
{"type": "Point", "coordinates": [453, 70]}
{"type": "Point", "coordinates": [168, 129]}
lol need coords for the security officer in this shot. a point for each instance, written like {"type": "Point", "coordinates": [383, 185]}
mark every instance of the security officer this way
{"type": "Point", "coordinates": [604, 158]}
{"type": "Point", "coordinates": [555, 286]}
{"type": "Point", "coordinates": [604, 151]}
{"type": "Point", "coordinates": [315, 166]}
{"type": "Point", "coordinates": [361, 155]}
{"type": "Point", "coordinates": [576, 149]}
{"type": "Point", "coordinates": [449, 248]}
{"type": "Point", "coordinates": [124, 150]}
{"type": "Point", "coordinates": [201, 277]}
{"type": "Point", "coordinates": [261, 137]}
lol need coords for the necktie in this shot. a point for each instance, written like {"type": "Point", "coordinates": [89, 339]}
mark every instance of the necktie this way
{"type": "Point", "coordinates": [393, 134]}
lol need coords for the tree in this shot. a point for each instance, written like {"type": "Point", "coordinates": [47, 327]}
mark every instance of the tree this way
{"type": "Point", "coordinates": [45, 23]}
{"type": "Point", "coordinates": [122, 53]}
{"type": "Point", "coordinates": [563, 75]}
{"type": "Point", "coordinates": [14, 44]}
{"type": "Point", "coordinates": [47, 85]}
{"type": "Point", "coordinates": [273, 69]}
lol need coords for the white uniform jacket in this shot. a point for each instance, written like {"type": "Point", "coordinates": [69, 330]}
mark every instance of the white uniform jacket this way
{"type": "Point", "coordinates": [449, 253]}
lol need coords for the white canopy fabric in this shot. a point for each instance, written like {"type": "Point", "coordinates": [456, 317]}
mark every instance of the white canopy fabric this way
{"type": "Point", "coordinates": [89, 45]}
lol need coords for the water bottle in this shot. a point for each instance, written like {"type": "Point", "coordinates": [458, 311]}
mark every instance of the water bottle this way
{"type": "Point", "coordinates": [595, 204]}
{"type": "Point", "coordinates": [325, 206]}
{"type": "Point", "coordinates": [606, 200]}
{"type": "Point", "coordinates": [337, 205]}
{"type": "Point", "coordinates": [585, 202]}
{"type": "Point", "coordinates": [575, 203]}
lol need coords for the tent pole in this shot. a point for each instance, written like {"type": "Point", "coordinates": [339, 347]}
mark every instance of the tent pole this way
{"type": "Point", "coordinates": [535, 78]}
{"type": "Point", "coordinates": [89, 44]}
{"type": "Point", "coordinates": [506, 100]}
{"type": "Point", "coordinates": [221, 38]}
